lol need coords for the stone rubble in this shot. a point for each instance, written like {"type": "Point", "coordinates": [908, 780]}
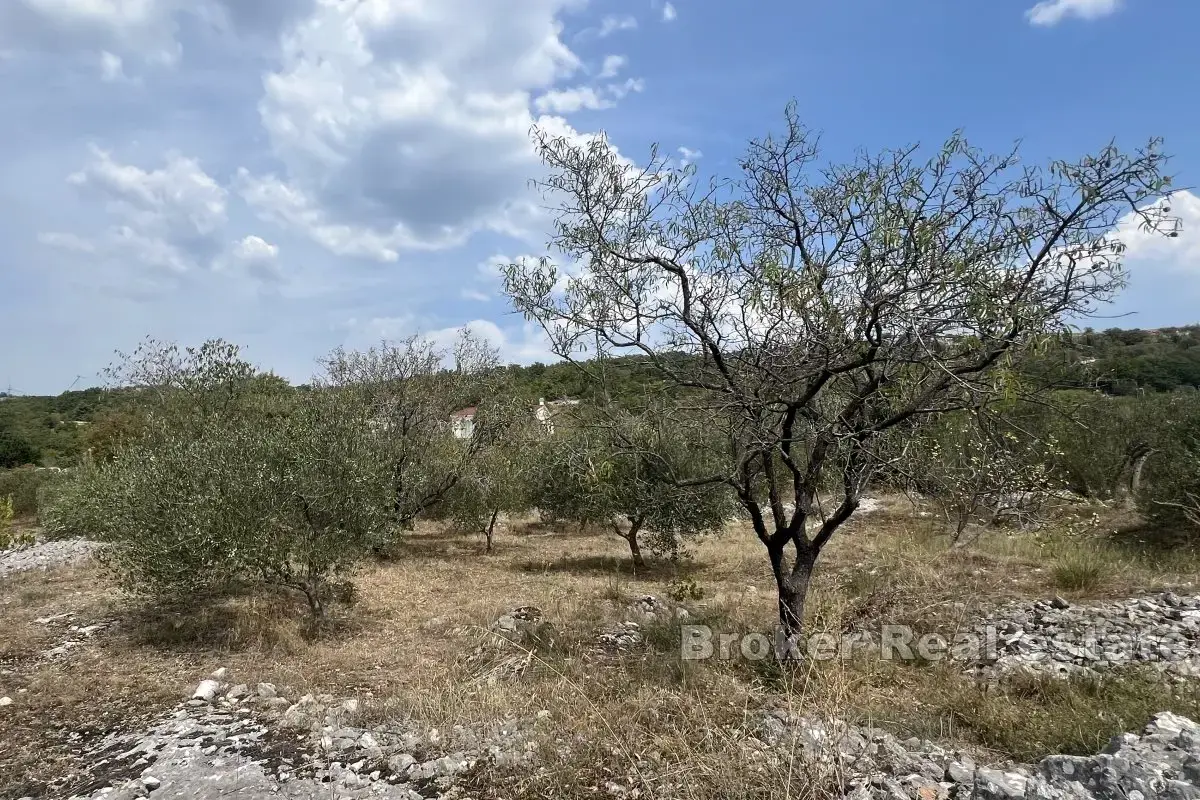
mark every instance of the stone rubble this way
{"type": "Point", "coordinates": [45, 555]}
{"type": "Point", "coordinates": [251, 742]}
{"type": "Point", "coordinates": [1162, 762]}
{"type": "Point", "coordinates": [628, 635]}
{"type": "Point", "coordinates": [1056, 637]}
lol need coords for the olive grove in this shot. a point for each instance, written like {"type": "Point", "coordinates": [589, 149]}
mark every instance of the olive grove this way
{"type": "Point", "coordinates": [825, 306]}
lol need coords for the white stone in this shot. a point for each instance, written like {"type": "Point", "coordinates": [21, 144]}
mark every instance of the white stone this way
{"type": "Point", "coordinates": [206, 690]}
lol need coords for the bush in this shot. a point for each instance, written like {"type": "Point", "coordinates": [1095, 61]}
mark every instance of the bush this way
{"type": "Point", "coordinates": [22, 487]}
{"type": "Point", "coordinates": [234, 480]}
{"type": "Point", "coordinates": [1169, 493]}
{"type": "Point", "coordinates": [15, 451]}
{"type": "Point", "coordinates": [7, 537]}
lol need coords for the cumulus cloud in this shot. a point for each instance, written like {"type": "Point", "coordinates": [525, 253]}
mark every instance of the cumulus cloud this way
{"type": "Point", "coordinates": [590, 98]}
{"type": "Point", "coordinates": [1149, 249]}
{"type": "Point", "coordinates": [254, 255]}
{"type": "Point", "coordinates": [668, 13]}
{"type": "Point", "coordinates": [166, 217]}
{"type": "Point", "coordinates": [613, 24]}
{"type": "Point", "coordinates": [1052, 12]}
{"type": "Point", "coordinates": [612, 66]}
{"type": "Point", "coordinates": [145, 30]}
{"type": "Point", "coordinates": [292, 142]}
{"type": "Point", "coordinates": [405, 126]}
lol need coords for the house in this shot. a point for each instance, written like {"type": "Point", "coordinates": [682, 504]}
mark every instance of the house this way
{"type": "Point", "coordinates": [545, 412]}
{"type": "Point", "coordinates": [462, 423]}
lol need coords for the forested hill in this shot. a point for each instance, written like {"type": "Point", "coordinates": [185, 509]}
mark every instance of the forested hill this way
{"type": "Point", "coordinates": [1120, 361]}
{"type": "Point", "coordinates": [52, 430]}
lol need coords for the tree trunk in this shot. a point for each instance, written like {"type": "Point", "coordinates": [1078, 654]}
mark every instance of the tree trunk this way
{"type": "Point", "coordinates": [1135, 480]}
{"type": "Point", "coordinates": [635, 526]}
{"type": "Point", "coordinates": [792, 586]}
{"type": "Point", "coordinates": [491, 527]}
{"type": "Point", "coordinates": [312, 593]}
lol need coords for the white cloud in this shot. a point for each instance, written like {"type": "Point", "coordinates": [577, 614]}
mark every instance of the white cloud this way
{"type": "Point", "coordinates": [612, 24]}
{"type": "Point", "coordinates": [668, 13]}
{"type": "Point", "coordinates": [612, 66]}
{"type": "Point", "coordinates": [1152, 250]}
{"type": "Point", "coordinates": [405, 126]}
{"type": "Point", "coordinates": [280, 139]}
{"type": "Point", "coordinates": [689, 156]}
{"type": "Point", "coordinates": [568, 101]}
{"type": "Point", "coordinates": [179, 197]}
{"type": "Point", "coordinates": [111, 67]}
{"type": "Point", "coordinates": [1051, 12]}
{"type": "Point", "coordinates": [253, 254]}
{"type": "Point", "coordinates": [590, 98]}
{"type": "Point", "coordinates": [145, 30]}
{"type": "Point", "coordinates": [166, 217]}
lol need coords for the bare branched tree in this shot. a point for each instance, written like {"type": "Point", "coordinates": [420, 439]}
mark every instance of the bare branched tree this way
{"type": "Point", "coordinates": [807, 309]}
{"type": "Point", "coordinates": [412, 393]}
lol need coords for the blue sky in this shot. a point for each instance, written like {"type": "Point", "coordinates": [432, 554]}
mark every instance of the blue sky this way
{"type": "Point", "coordinates": [293, 175]}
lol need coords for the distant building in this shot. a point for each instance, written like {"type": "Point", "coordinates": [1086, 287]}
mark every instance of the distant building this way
{"type": "Point", "coordinates": [462, 423]}
{"type": "Point", "coordinates": [545, 412]}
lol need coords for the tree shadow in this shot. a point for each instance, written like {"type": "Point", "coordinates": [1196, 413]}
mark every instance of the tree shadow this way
{"type": "Point", "coordinates": [604, 566]}
{"type": "Point", "coordinates": [266, 619]}
{"type": "Point", "coordinates": [1152, 540]}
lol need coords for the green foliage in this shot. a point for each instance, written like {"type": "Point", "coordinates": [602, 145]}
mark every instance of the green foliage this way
{"type": "Point", "coordinates": [630, 473]}
{"type": "Point", "coordinates": [977, 467]}
{"type": "Point", "coordinates": [498, 480]}
{"type": "Point", "coordinates": [233, 480]}
{"type": "Point", "coordinates": [22, 486]}
{"type": "Point", "coordinates": [409, 395]}
{"type": "Point", "coordinates": [1081, 568]}
{"type": "Point", "coordinates": [1124, 362]}
{"type": "Point", "coordinates": [7, 538]}
{"type": "Point", "coordinates": [16, 451]}
{"type": "Point", "coordinates": [1170, 494]}
{"type": "Point", "coordinates": [1116, 447]}
{"type": "Point", "coordinates": [52, 426]}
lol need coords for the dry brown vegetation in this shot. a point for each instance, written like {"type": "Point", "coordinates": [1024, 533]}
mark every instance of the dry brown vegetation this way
{"type": "Point", "coordinates": [401, 650]}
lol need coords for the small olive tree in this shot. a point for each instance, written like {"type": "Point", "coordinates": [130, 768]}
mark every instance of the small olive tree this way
{"type": "Point", "coordinates": [621, 469]}
{"type": "Point", "coordinates": [410, 389]}
{"type": "Point", "coordinates": [805, 308]}
{"type": "Point", "coordinates": [232, 480]}
{"type": "Point", "coordinates": [975, 467]}
{"type": "Point", "coordinates": [499, 479]}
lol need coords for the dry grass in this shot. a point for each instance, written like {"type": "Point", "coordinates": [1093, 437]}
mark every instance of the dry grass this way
{"type": "Point", "coordinates": [401, 651]}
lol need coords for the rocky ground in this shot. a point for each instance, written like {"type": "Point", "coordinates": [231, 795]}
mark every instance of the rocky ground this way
{"type": "Point", "coordinates": [234, 740]}
{"type": "Point", "coordinates": [1161, 762]}
{"type": "Point", "coordinates": [1057, 637]}
{"type": "Point", "coordinates": [257, 741]}
{"type": "Point", "coordinates": [45, 555]}
{"type": "Point", "coordinates": [252, 742]}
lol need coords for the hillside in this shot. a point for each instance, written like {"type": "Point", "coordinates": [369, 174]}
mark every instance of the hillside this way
{"type": "Point", "coordinates": [49, 430]}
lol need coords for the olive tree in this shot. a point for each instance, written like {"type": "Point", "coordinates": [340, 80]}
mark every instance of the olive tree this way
{"type": "Point", "coordinates": [806, 308]}
{"type": "Point", "coordinates": [410, 389]}
{"type": "Point", "coordinates": [498, 480]}
{"type": "Point", "coordinates": [622, 470]}
{"type": "Point", "coordinates": [974, 466]}
{"type": "Point", "coordinates": [232, 480]}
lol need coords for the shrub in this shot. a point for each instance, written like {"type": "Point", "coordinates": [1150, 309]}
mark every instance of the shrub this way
{"type": "Point", "coordinates": [22, 487]}
{"type": "Point", "coordinates": [235, 480]}
{"type": "Point", "coordinates": [7, 538]}
{"type": "Point", "coordinates": [1081, 568]}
